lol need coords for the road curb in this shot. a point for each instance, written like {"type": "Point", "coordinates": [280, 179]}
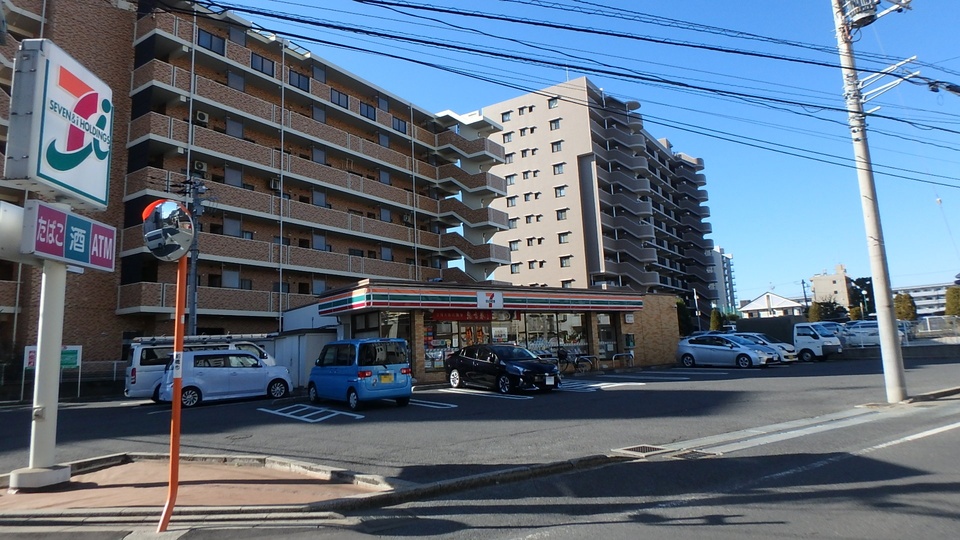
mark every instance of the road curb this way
{"type": "Point", "coordinates": [930, 396]}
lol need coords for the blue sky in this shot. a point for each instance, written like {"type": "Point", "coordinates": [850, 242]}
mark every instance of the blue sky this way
{"type": "Point", "coordinates": [783, 217]}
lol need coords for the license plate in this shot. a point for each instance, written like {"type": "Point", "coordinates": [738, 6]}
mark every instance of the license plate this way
{"type": "Point", "coordinates": [386, 377]}
{"type": "Point", "coordinates": [549, 379]}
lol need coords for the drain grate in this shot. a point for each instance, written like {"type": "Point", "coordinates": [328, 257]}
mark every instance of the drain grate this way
{"type": "Point", "coordinates": [642, 450]}
{"type": "Point", "coordinates": [693, 454]}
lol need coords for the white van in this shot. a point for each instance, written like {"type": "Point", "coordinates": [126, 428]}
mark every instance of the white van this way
{"type": "Point", "coordinates": [149, 356]}
{"type": "Point", "coordinates": [814, 341]}
{"type": "Point", "coordinates": [210, 375]}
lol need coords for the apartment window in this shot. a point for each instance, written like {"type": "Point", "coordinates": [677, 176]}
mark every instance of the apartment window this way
{"type": "Point", "coordinates": [512, 223]}
{"type": "Point", "coordinates": [319, 155]}
{"type": "Point", "coordinates": [533, 130]}
{"type": "Point", "coordinates": [515, 268]}
{"type": "Point", "coordinates": [529, 218]}
{"type": "Point", "coordinates": [386, 215]}
{"type": "Point", "coordinates": [530, 108]}
{"type": "Point", "coordinates": [234, 128]}
{"type": "Point", "coordinates": [514, 245]}
{"type": "Point", "coordinates": [524, 152]}
{"type": "Point", "coordinates": [556, 146]}
{"type": "Point", "coordinates": [320, 242]}
{"type": "Point", "coordinates": [385, 177]}
{"type": "Point", "coordinates": [536, 173]}
{"type": "Point", "coordinates": [539, 218]}
{"type": "Point", "coordinates": [566, 284]}
{"type": "Point", "coordinates": [560, 191]}
{"type": "Point", "coordinates": [368, 110]}
{"type": "Point", "coordinates": [511, 201]}
{"type": "Point", "coordinates": [521, 110]}
{"type": "Point", "coordinates": [261, 64]}
{"type": "Point", "coordinates": [558, 168]}
{"type": "Point", "coordinates": [320, 73]}
{"type": "Point", "coordinates": [523, 132]}
{"type": "Point", "coordinates": [527, 196]}
{"type": "Point", "coordinates": [563, 238]}
{"type": "Point", "coordinates": [281, 287]}
{"type": "Point", "coordinates": [540, 241]}
{"type": "Point", "coordinates": [555, 124]}
{"type": "Point", "coordinates": [236, 81]}
{"type": "Point", "coordinates": [281, 241]}
{"type": "Point", "coordinates": [231, 226]}
{"type": "Point", "coordinates": [553, 103]}
{"type": "Point", "coordinates": [320, 113]}
{"type": "Point", "coordinates": [531, 241]}
{"type": "Point", "coordinates": [541, 264]}
{"type": "Point", "coordinates": [339, 98]}
{"type": "Point", "coordinates": [505, 117]}
{"type": "Point", "coordinates": [233, 176]}
{"type": "Point", "coordinates": [508, 137]}
{"type": "Point", "coordinates": [299, 80]}
{"type": "Point", "coordinates": [386, 253]}
{"type": "Point", "coordinates": [562, 214]}
{"type": "Point", "coordinates": [536, 196]}
{"type": "Point", "coordinates": [533, 151]}
{"type": "Point", "coordinates": [384, 139]}
{"type": "Point", "coordinates": [511, 179]}
{"type": "Point", "coordinates": [565, 261]}
{"type": "Point", "coordinates": [526, 175]}
{"type": "Point", "coordinates": [238, 35]}
{"type": "Point", "coordinates": [354, 252]}
{"type": "Point", "coordinates": [320, 198]}
{"type": "Point", "coordinates": [399, 125]}
{"type": "Point", "coordinates": [319, 286]}
{"type": "Point", "coordinates": [231, 278]}
{"type": "Point", "coordinates": [508, 158]}
{"type": "Point", "coordinates": [532, 265]}
{"type": "Point", "coordinates": [211, 42]}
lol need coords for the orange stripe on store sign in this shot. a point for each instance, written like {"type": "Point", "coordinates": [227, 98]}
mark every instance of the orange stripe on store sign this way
{"type": "Point", "coordinates": [71, 83]}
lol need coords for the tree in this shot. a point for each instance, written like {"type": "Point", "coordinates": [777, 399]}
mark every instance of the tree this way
{"type": "Point", "coordinates": [861, 294]}
{"type": "Point", "coordinates": [716, 320]}
{"type": "Point", "coordinates": [953, 301]}
{"type": "Point", "coordinates": [813, 314]}
{"type": "Point", "coordinates": [830, 310]}
{"type": "Point", "coordinates": [905, 307]}
{"type": "Point", "coordinates": [856, 313]}
{"type": "Point", "coordinates": [683, 318]}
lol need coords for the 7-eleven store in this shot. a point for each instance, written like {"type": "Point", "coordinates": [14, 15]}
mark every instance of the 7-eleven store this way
{"type": "Point", "coordinates": [438, 318]}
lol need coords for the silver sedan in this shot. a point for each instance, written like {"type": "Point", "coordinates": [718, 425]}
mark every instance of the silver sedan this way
{"type": "Point", "coordinates": [724, 350]}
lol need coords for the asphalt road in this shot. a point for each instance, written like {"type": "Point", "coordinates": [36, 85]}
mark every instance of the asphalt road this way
{"type": "Point", "coordinates": [831, 482]}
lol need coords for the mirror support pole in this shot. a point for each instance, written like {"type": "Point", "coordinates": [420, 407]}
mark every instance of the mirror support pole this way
{"type": "Point", "coordinates": [175, 397]}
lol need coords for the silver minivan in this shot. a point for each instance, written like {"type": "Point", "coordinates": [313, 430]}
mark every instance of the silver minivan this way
{"type": "Point", "coordinates": [225, 374]}
{"type": "Point", "coordinates": [149, 356]}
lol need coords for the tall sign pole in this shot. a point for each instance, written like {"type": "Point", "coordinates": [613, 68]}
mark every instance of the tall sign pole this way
{"type": "Point", "coordinates": [848, 15]}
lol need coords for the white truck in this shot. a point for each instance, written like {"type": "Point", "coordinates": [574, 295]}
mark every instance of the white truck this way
{"type": "Point", "coordinates": [812, 341]}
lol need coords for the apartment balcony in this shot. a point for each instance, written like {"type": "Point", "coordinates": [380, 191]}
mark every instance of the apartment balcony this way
{"type": "Point", "coordinates": [630, 224]}
{"type": "Point", "coordinates": [617, 135]}
{"type": "Point", "coordinates": [697, 241]}
{"type": "Point", "coordinates": [8, 297]}
{"type": "Point", "coordinates": [453, 179]}
{"type": "Point", "coordinates": [453, 212]}
{"type": "Point", "coordinates": [23, 16]}
{"type": "Point", "coordinates": [697, 256]}
{"type": "Point", "coordinates": [634, 273]}
{"type": "Point", "coordinates": [621, 177]}
{"type": "Point", "coordinates": [455, 246]}
{"type": "Point", "coordinates": [622, 155]}
{"type": "Point", "coordinates": [627, 201]}
{"type": "Point", "coordinates": [695, 223]}
{"type": "Point", "coordinates": [8, 53]}
{"type": "Point", "coordinates": [453, 147]}
{"type": "Point", "coordinates": [699, 273]}
{"type": "Point", "coordinates": [694, 207]}
{"type": "Point", "coordinates": [160, 298]}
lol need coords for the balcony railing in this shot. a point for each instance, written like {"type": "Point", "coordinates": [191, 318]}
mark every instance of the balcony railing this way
{"type": "Point", "coordinates": [161, 298]}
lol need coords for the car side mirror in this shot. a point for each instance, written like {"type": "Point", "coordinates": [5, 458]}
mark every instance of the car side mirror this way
{"type": "Point", "coordinates": [316, 362]}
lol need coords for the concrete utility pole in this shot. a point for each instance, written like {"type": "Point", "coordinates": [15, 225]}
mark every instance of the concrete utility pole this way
{"type": "Point", "coordinates": [849, 15]}
{"type": "Point", "coordinates": [193, 188]}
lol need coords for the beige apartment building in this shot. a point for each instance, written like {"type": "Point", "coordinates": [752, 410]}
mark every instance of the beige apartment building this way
{"type": "Point", "coordinates": [312, 178]}
{"type": "Point", "coordinates": [594, 201]}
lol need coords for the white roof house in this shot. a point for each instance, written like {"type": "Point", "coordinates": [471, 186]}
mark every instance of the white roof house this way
{"type": "Point", "coordinates": [771, 305]}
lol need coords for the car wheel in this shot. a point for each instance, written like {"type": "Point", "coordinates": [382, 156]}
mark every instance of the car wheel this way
{"type": "Point", "coordinates": [807, 355]}
{"type": "Point", "coordinates": [277, 389]}
{"type": "Point", "coordinates": [503, 384]}
{"type": "Point", "coordinates": [156, 394]}
{"type": "Point", "coordinates": [455, 380]}
{"type": "Point", "coordinates": [190, 396]}
{"type": "Point", "coordinates": [353, 400]}
{"type": "Point", "coordinates": [312, 393]}
{"type": "Point", "coordinates": [403, 401]}
{"type": "Point", "coordinates": [743, 361]}
{"type": "Point", "coordinates": [687, 360]}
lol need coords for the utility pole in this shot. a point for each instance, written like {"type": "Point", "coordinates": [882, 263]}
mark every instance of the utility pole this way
{"type": "Point", "coordinates": [803, 284]}
{"type": "Point", "coordinates": [193, 188]}
{"type": "Point", "coordinates": [850, 15]}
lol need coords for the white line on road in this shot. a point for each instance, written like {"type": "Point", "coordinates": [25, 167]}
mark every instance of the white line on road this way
{"type": "Point", "coordinates": [308, 413]}
{"type": "Point", "coordinates": [432, 404]}
{"type": "Point", "coordinates": [648, 377]}
{"type": "Point", "coordinates": [482, 393]}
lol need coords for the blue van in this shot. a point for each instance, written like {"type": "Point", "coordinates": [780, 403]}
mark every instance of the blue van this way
{"type": "Point", "coordinates": [357, 370]}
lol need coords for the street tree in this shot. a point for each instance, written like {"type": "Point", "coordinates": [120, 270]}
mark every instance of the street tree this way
{"type": "Point", "coordinates": [684, 324]}
{"type": "Point", "coordinates": [856, 313]}
{"type": "Point", "coordinates": [813, 314]}
{"type": "Point", "coordinates": [861, 294]}
{"type": "Point", "coordinates": [716, 320]}
{"type": "Point", "coordinates": [953, 301]}
{"type": "Point", "coordinates": [905, 307]}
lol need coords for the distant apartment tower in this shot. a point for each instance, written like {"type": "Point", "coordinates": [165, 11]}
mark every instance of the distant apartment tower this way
{"type": "Point", "coordinates": [595, 201]}
{"type": "Point", "coordinates": [314, 177]}
{"type": "Point", "coordinates": [930, 299]}
{"type": "Point", "coordinates": [726, 284]}
{"type": "Point", "coordinates": [833, 287]}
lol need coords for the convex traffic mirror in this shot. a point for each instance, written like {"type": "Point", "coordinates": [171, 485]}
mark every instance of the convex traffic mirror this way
{"type": "Point", "coordinates": [167, 229]}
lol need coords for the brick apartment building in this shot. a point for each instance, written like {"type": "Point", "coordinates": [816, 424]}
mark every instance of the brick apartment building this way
{"type": "Point", "coordinates": [314, 178]}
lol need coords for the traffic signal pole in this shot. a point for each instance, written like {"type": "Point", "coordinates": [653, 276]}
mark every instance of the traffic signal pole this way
{"type": "Point", "coordinates": [890, 353]}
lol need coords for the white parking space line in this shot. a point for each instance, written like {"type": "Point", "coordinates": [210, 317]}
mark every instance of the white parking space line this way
{"type": "Point", "coordinates": [593, 386]}
{"type": "Point", "coordinates": [482, 393]}
{"type": "Point", "coordinates": [651, 377]}
{"type": "Point", "coordinates": [432, 404]}
{"type": "Point", "coordinates": [309, 413]}
{"type": "Point", "coordinates": [695, 371]}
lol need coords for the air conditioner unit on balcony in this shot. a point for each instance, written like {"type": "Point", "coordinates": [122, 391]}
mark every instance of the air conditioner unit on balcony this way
{"type": "Point", "coordinates": [275, 184]}
{"type": "Point", "coordinates": [200, 166]}
{"type": "Point", "coordinates": [203, 117]}
{"type": "Point", "coordinates": [408, 218]}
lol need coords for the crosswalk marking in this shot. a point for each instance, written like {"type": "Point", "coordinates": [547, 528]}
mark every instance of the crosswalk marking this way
{"type": "Point", "coordinates": [309, 413]}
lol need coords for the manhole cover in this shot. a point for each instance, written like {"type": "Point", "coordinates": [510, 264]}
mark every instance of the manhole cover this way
{"type": "Point", "coordinates": [642, 450]}
{"type": "Point", "coordinates": [693, 454]}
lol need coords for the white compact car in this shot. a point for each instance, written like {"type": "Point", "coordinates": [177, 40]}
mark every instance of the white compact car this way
{"type": "Point", "coordinates": [225, 374]}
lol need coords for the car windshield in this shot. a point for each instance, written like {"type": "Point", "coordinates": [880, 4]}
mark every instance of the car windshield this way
{"type": "Point", "coordinates": [755, 339]}
{"type": "Point", "coordinates": [505, 352]}
{"type": "Point", "coordinates": [770, 339]}
{"type": "Point", "coordinates": [740, 340]}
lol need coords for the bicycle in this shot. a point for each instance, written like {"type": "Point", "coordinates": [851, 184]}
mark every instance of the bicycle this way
{"type": "Point", "coordinates": [577, 363]}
